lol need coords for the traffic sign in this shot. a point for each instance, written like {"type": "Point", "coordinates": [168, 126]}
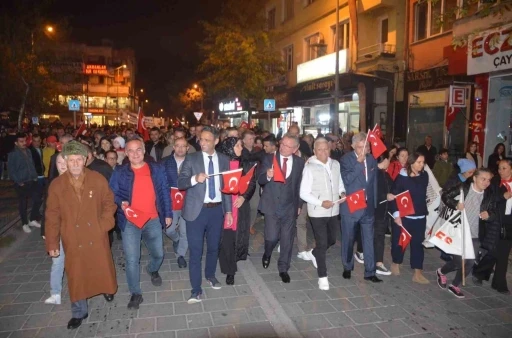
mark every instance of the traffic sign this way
{"type": "Point", "coordinates": [74, 105]}
{"type": "Point", "coordinates": [269, 105]}
{"type": "Point", "coordinates": [198, 115]}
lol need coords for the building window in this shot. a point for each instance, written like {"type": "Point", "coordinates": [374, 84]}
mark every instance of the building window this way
{"type": "Point", "coordinates": [435, 17]}
{"type": "Point", "coordinates": [288, 9]}
{"type": "Point", "coordinates": [288, 57]}
{"type": "Point", "coordinates": [271, 19]}
{"type": "Point", "coordinates": [383, 38]}
{"type": "Point", "coordinates": [315, 46]}
{"type": "Point", "coordinates": [344, 40]}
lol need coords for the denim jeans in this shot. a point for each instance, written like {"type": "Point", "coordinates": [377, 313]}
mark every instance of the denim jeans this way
{"type": "Point", "coordinates": [178, 232]}
{"type": "Point", "coordinates": [57, 272]}
{"type": "Point", "coordinates": [79, 309]}
{"type": "Point", "coordinates": [33, 190]}
{"type": "Point", "coordinates": [151, 234]}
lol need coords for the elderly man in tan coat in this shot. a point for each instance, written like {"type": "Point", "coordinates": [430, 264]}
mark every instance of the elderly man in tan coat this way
{"type": "Point", "coordinates": [80, 211]}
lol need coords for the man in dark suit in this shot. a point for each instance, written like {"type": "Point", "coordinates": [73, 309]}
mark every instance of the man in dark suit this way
{"type": "Point", "coordinates": [359, 171]}
{"type": "Point", "coordinates": [155, 147]}
{"type": "Point", "coordinates": [205, 208]}
{"type": "Point", "coordinates": [429, 151]}
{"type": "Point", "coordinates": [195, 140]}
{"type": "Point", "coordinates": [280, 202]}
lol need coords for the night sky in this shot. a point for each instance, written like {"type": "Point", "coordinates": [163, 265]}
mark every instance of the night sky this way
{"type": "Point", "coordinates": [163, 33]}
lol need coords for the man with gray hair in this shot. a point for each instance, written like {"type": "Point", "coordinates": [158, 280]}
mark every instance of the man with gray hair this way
{"type": "Point", "coordinates": [322, 189]}
{"type": "Point", "coordinates": [359, 172]}
{"type": "Point", "coordinates": [280, 201]}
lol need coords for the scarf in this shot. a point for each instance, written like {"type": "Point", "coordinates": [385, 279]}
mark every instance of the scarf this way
{"type": "Point", "coordinates": [77, 184]}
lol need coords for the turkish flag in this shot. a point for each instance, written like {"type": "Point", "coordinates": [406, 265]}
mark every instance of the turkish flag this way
{"type": "Point", "coordinates": [356, 201]}
{"type": "Point", "coordinates": [378, 147]}
{"type": "Point", "coordinates": [278, 174]}
{"type": "Point", "coordinates": [245, 180]}
{"type": "Point", "coordinates": [177, 198]}
{"type": "Point", "coordinates": [405, 238]}
{"type": "Point", "coordinates": [231, 181]}
{"type": "Point", "coordinates": [141, 128]}
{"type": "Point", "coordinates": [82, 130]}
{"type": "Point", "coordinates": [136, 217]}
{"type": "Point", "coordinates": [244, 125]}
{"type": "Point", "coordinates": [377, 131]}
{"type": "Point", "coordinates": [451, 114]}
{"type": "Point", "coordinates": [404, 204]}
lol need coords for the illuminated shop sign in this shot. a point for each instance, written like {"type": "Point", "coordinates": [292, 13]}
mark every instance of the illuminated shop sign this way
{"type": "Point", "coordinates": [230, 105]}
{"type": "Point", "coordinates": [490, 51]}
{"type": "Point", "coordinates": [96, 69]}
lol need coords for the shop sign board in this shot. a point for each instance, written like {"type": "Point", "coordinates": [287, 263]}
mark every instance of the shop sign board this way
{"type": "Point", "coordinates": [480, 115]}
{"type": "Point", "coordinates": [490, 51]}
{"type": "Point", "coordinates": [323, 66]}
{"type": "Point", "coordinates": [230, 105]}
{"type": "Point", "coordinates": [457, 97]}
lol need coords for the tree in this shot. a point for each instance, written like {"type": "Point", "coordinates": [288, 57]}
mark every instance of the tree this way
{"type": "Point", "coordinates": [238, 53]}
{"type": "Point", "coordinates": [26, 79]}
{"type": "Point", "coordinates": [190, 98]}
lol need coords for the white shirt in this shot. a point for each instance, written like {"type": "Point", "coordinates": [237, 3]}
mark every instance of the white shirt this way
{"type": "Point", "coordinates": [206, 160]}
{"type": "Point", "coordinates": [180, 162]}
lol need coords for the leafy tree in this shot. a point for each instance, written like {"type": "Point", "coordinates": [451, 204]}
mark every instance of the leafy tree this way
{"type": "Point", "coordinates": [190, 98]}
{"type": "Point", "coordinates": [238, 53]}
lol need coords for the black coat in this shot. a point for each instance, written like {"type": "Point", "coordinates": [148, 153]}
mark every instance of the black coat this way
{"type": "Point", "coordinates": [384, 185]}
{"type": "Point", "coordinates": [244, 215]}
{"type": "Point", "coordinates": [488, 230]}
{"type": "Point", "coordinates": [159, 149]}
{"type": "Point", "coordinates": [101, 167]}
{"type": "Point", "coordinates": [504, 221]}
{"type": "Point", "coordinates": [38, 160]}
{"type": "Point", "coordinates": [430, 154]}
{"type": "Point", "coordinates": [492, 162]}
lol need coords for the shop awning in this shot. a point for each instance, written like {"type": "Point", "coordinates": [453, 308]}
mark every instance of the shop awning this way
{"type": "Point", "coordinates": [262, 116]}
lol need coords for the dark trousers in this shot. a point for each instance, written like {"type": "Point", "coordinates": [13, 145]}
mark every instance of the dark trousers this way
{"type": "Point", "coordinates": [456, 265]}
{"type": "Point", "coordinates": [33, 190]}
{"type": "Point", "coordinates": [79, 308]}
{"type": "Point", "coordinates": [379, 235]}
{"type": "Point", "coordinates": [209, 223]}
{"type": "Point", "coordinates": [324, 230]}
{"type": "Point", "coordinates": [227, 253]}
{"type": "Point", "coordinates": [282, 228]}
{"type": "Point", "coordinates": [416, 227]}
{"type": "Point", "coordinates": [348, 229]}
{"type": "Point", "coordinates": [499, 281]}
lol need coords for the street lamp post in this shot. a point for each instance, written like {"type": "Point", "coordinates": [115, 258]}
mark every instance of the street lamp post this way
{"type": "Point", "coordinates": [335, 119]}
{"type": "Point", "coordinates": [201, 92]}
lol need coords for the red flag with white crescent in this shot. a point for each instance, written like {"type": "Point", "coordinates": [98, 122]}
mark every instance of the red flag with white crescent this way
{"type": "Point", "coordinates": [405, 204]}
{"type": "Point", "coordinates": [231, 181]}
{"type": "Point", "coordinates": [377, 131]}
{"type": "Point", "coordinates": [245, 180]}
{"type": "Point", "coordinates": [356, 201]}
{"type": "Point", "coordinates": [177, 198]}
{"type": "Point", "coordinates": [278, 173]}
{"type": "Point", "coordinates": [378, 147]}
{"type": "Point", "coordinates": [82, 130]}
{"type": "Point", "coordinates": [405, 238]}
{"type": "Point", "coordinates": [141, 128]}
{"type": "Point", "coordinates": [136, 217]}
{"type": "Point", "coordinates": [451, 114]}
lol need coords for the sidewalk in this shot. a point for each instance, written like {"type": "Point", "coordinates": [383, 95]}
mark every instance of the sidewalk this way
{"type": "Point", "coordinates": [8, 203]}
{"type": "Point", "coordinates": [259, 305]}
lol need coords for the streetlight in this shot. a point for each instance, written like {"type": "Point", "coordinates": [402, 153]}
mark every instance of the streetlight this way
{"type": "Point", "coordinates": [196, 87]}
{"type": "Point", "coordinates": [48, 29]}
{"type": "Point", "coordinates": [160, 111]}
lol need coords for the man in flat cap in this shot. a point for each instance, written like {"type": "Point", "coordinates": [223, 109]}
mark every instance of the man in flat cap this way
{"type": "Point", "coordinates": [80, 211]}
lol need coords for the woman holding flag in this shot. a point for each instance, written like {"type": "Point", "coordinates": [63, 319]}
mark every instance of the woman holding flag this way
{"type": "Point", "coordinates": [479, 207]}
{"type": "Point", "coordinates": [410, 193]}
{"type": "Point", "coordinates": [235, 238]}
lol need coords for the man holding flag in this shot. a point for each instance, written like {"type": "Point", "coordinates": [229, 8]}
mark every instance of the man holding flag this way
{"type": "Point", "coordinates": [358, 172]}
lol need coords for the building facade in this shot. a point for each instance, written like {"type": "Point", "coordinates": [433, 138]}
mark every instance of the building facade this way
{"type": "Point", "coordinates": [370, 66]}
{"type": "Point", "coordinates": [101, 78]}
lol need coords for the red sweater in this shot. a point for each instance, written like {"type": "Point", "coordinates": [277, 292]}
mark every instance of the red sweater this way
{"type": "Point", "coordinates": [143, 195]}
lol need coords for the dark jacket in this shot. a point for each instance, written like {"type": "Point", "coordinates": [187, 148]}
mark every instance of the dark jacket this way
{"type": "Point", "coordinates": [21, 166]}
{"type": "Point", "coordinates": [171, 171]}
{"type": "Point", "coordinates": [159, 149]}
{"type": "Point", "coordinates": [53, 172]}
{"type": "Point", "coordinates": [121, 184]}
{"type": "Point", "coordinates": [430, 154]}
{"type": "Point", "coordinates": [417, 187]}
{"type": "Point", "coordinates": [488, 230]}
{"type": "Point", "coordinates": [504, 221]}
{"type": "Point", "coordinates": [194, 142]}
{"type": "Point", "coordinates": [244, 215]}
{"type": "Point", "coordinates": [384, 185]}
{"type": "Point", "coordinates": [38, 160]}
{"type": "Point", "coordinates": [492, 162]}
{"type": "Point", "coordinates": [101, 167]}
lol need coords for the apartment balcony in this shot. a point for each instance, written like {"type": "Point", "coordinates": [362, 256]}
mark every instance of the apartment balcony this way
{"type": "Point", "coordinates": [380, 50]}
{"type": "Point", "coordinates": [111, 90]}
{"type": "Point", "coordinates": [364, 6]}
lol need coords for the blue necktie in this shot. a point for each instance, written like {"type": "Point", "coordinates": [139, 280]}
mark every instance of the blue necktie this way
{"type": "Point", "coordinates": [211, 180]}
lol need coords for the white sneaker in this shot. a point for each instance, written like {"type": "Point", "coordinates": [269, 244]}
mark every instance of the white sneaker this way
{"type": "Point", "coordinates": [304, 256]}
{"type": "Point", "coordinates": [312, 258]}
{"type": "Point", "coordinates": [359, 256]}
{"type": "Point", "coordinates": [54, 299]}
{"type": "Point", "coordinates": [382, 270]}
{"type": "Point", "coordinates": [279, 248]}
{"type": "Point", "coordinates": [323, 283]}
{"type": "Point", "coordinates": [26, 228]}
{"type": "Point", "coordinates": [34, 224]}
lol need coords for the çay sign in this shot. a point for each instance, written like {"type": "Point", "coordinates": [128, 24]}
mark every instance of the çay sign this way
{"type": "Point", "coordinates": [490, 51]}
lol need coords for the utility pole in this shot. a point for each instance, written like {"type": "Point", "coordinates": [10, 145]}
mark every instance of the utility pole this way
{"type": "Point", "coordinates": [335, 118]}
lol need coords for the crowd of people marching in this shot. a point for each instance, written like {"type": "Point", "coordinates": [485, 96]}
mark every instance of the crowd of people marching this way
{"type": "Point", "coordinates": [202, 185]}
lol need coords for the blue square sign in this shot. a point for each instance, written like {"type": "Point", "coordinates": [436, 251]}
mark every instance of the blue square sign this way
{"type": "Point", "coordinates": [74, 105]}
{"type": "Point", "coordinates": [269, 105]}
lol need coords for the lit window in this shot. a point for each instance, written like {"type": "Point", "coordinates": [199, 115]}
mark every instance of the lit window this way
{"type": "Point", "coordinates": [288, 57]}
{"type": "Point", "coordinates": [344, 32]}
{"type": "Point", "coordinates": [432, 18]}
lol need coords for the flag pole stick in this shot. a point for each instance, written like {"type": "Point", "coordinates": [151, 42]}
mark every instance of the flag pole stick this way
{"type": "Point", "coordinates": [366, 140]}
{"type": "Point", "coordinates": [463, 226]}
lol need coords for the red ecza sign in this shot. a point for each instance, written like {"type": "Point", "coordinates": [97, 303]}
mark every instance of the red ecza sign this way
{"type": "Point", "coordinates": [480, 113]}
{"type": "Point", "coordinates": [457, 96]}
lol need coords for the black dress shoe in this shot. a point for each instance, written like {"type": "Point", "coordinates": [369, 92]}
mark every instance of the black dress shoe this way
{"type": "Point", "coordinates": [75, 323]}
{"type": "Point", "coordinates": [347, 274]}
{"type": "Point", "coordinates": [230, 279]}
{"type": "Point", "coordinates": [108, 297]}
{"type": "Point", "coordinates": [285, 277]}
{"type": "Point", "coordinates": [265, 260]}
{"type": "Point", "coordinates": [182, 263]}
{"type": "Point", "coordinates": [373, 279]}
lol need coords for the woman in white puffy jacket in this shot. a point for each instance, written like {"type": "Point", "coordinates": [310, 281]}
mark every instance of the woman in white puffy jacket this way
{"type": "Point", "coordinates": [322, 189]}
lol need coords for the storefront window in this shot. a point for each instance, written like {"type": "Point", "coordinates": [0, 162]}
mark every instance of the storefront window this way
{"type": "Point", "coordinates": [349, 116]}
